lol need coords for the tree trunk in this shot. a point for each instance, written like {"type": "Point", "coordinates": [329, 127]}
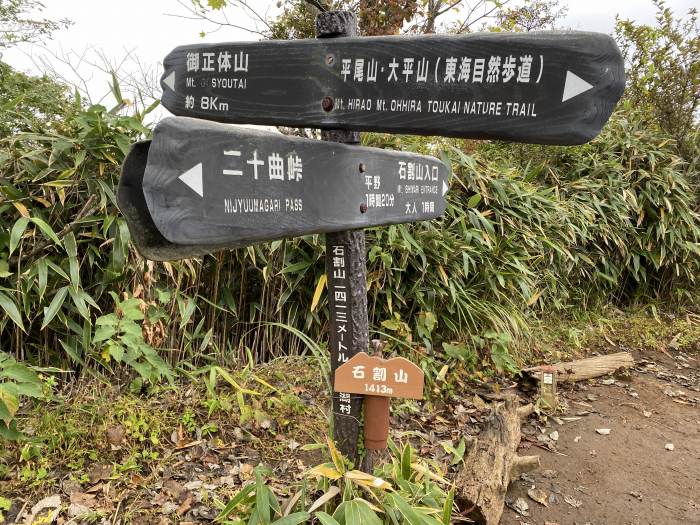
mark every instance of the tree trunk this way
{"type": "Point", "coordinates": [491, 462]}
{"type": "Point", "coordinates": [588, 368]}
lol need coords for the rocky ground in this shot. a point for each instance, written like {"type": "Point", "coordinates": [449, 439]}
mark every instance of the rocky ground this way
{"type": "Point", "coordinates": [621, 450]}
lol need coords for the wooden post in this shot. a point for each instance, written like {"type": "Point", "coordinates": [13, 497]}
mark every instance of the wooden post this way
{"type": "Point", "coordinates": [347, 271]}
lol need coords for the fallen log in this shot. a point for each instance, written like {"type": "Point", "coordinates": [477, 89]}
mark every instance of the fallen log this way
{"type": "Point", "coordinates": [491, 462]}
{"type": "Point", "coordinates": [587, 368]}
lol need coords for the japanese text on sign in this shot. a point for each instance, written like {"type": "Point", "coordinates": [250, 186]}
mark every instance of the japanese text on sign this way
{"type": "Point", "coordinates": [452, 69]}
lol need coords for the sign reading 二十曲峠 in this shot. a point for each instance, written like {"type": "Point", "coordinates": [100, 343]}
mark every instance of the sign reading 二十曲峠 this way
{"type": "Point", "coordinates": [554, 87]}
{"type": "Point", "coordinates": [211, 184]}
{"type": "Point", "coordinates": [374, 376]}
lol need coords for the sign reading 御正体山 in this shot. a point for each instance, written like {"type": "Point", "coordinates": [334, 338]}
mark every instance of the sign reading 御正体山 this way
{"type": "Point", "coordinates": [210, 184]}
{"type": "Point", "coordinates": [537, 87]}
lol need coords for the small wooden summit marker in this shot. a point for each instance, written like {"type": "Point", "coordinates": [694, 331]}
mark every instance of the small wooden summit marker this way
{"type": "Point", "coordinates": [379, 380]}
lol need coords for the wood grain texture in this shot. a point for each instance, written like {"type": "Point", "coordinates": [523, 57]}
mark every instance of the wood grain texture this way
{"type": "Point", "coordinates": [148, 240]}
{"type": "Point", "coordinates": [244, 201]}
{"type": "Point", "coordinates": [491, 462]}
{"type": "Point", "coordinates": [588, 368]}
{"type": "Point", "coordinates": [285, 83]}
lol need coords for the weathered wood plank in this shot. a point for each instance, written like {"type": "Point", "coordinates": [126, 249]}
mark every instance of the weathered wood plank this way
{"type": "Point", "coordinates": [554, 87]}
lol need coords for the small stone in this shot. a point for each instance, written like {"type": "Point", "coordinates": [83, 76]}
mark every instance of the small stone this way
{"type": "Point", "coordinates": [669, 446]}
{"type": "Point", "coordinates": [577, 439]}
{"type": "Point", "coordinates": [520, 506]}
{"type": "Point", "coordinates": [549, 474]}
{"type": "Point", "coordinates": [603, 431]}
{"type": "Point", "coordinates": [554, 436]}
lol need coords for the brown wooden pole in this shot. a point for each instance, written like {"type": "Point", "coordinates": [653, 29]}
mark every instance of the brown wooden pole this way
{"type": "Point", "coordinates": [346, 270]}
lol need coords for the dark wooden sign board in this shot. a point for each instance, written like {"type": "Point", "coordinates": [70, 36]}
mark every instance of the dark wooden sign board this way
{"type": "Point", "coordinates": [536, 87]}
{"type": "Point", "coordinates": [211, 184]}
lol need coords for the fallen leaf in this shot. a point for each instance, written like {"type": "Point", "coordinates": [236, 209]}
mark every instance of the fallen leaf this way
{"type": "Point", "coordinates": [549, 474]}
{"type": "Point", "coordinates": [538, 495]}
{"type": "Point", "coordinates": [50, 503]}
{"type": "Point", "coordinates": [115, 435]}
{"type": "Point", "coordinates": [478, 403]}
{"type": "Point", "coordinates": [573, 501]}
{"type": "Point", "coordinates": [184, 506]}
{"type": "Point", "coordinates": [99, 472]}
{"type": "Point", "coordinates": [603, 431]}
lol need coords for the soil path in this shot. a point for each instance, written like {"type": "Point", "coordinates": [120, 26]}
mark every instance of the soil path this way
{"type": "Point", "coordinates": [627, 476]}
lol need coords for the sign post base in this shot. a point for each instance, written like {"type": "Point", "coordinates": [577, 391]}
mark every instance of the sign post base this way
{"type": "Point", "coordinates": [376, 422]}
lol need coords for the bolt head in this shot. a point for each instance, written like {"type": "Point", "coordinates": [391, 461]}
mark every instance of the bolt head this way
{"type": "Point", "coordinates": [363, 208]}
{"type": "Point", "coordinates": [327, 103]}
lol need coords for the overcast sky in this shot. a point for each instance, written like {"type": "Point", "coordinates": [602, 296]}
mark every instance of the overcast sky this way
{"type": "Point", "coordinates": [144, 28]}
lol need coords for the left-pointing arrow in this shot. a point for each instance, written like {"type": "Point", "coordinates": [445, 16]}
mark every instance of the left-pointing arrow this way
{"type": "Point", "coordinates": [170, 81]}
{"type": "Point", "coordinates": [193, 178]}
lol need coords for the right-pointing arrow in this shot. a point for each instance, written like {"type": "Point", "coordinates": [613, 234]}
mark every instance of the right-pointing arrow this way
{"type": "Point", "coordinates": [574, 85]}
{"type": "Point", "coordinates": [193, 178]}
{"type": "Point", "coordinates": [445, 187]}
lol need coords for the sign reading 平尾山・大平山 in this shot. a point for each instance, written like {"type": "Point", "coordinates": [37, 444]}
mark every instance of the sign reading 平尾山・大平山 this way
{"type": "Point", "coordinates": [554, 87]}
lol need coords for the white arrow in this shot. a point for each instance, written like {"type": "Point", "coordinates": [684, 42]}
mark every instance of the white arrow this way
{"type": "Point", "coordinates": [574, 85]}
{"type": "Point", "coordinates": [445, 187]}
{"type": "Point", "coordinates": [170, 81]}
{"type": "Point", "coordinates": [193, 178]}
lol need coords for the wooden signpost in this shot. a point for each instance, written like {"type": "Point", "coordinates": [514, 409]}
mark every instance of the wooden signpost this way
{"type": "Point", "coordinates": [199, 187]}
{"type": "Point", "coordinates": [378, 380]}
{"type": "Point", "coordinates": [550, 87]}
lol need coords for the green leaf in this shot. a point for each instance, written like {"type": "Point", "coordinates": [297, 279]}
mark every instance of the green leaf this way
{"type": "Point", "coordinates": [4, 269]}
{"type": "Point", "coordinates": [293, 519]}
{"type": "Point", "coordinates": [79, 302]}
{"type": "Point", "coordinates": [11, 310]}
{"type": "Point", "coordinates": [131, 309]}
{"type": "Point", "coordinates": [42, 272]}
{"type": "Point", "coordinates": [325, 519]}
{"type": "Point", "coordinates": [70, 245]}
{"type": "Point", "coordinates": [46, 229]}
{"type": "Point", "coordinates": [235, 501]}
{"type": "Point", "coordinates": [17, 231]}
{"type": "Point", "coordinates": [262, 501]}
{"type": "Point", "coordinates": [9, 432]}
{"type": "Point", "coordinates": [409, 514]}
{"type": "Point", "coordinates": [54, 306]}
{"type": "Point", "coordinates": [447, 507]}
{"type": "Point", "coordinates": [406, 462]}
{"type": "Point", "coordinates": [20, 373]}
{"type": "Point", "coordinates": [28, 389]}
{"type": "Point", "coordinates": [9, 404]}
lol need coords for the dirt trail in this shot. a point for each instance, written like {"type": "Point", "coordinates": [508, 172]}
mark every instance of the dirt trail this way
{"type": "Point", "coordinates": [627, 476]}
